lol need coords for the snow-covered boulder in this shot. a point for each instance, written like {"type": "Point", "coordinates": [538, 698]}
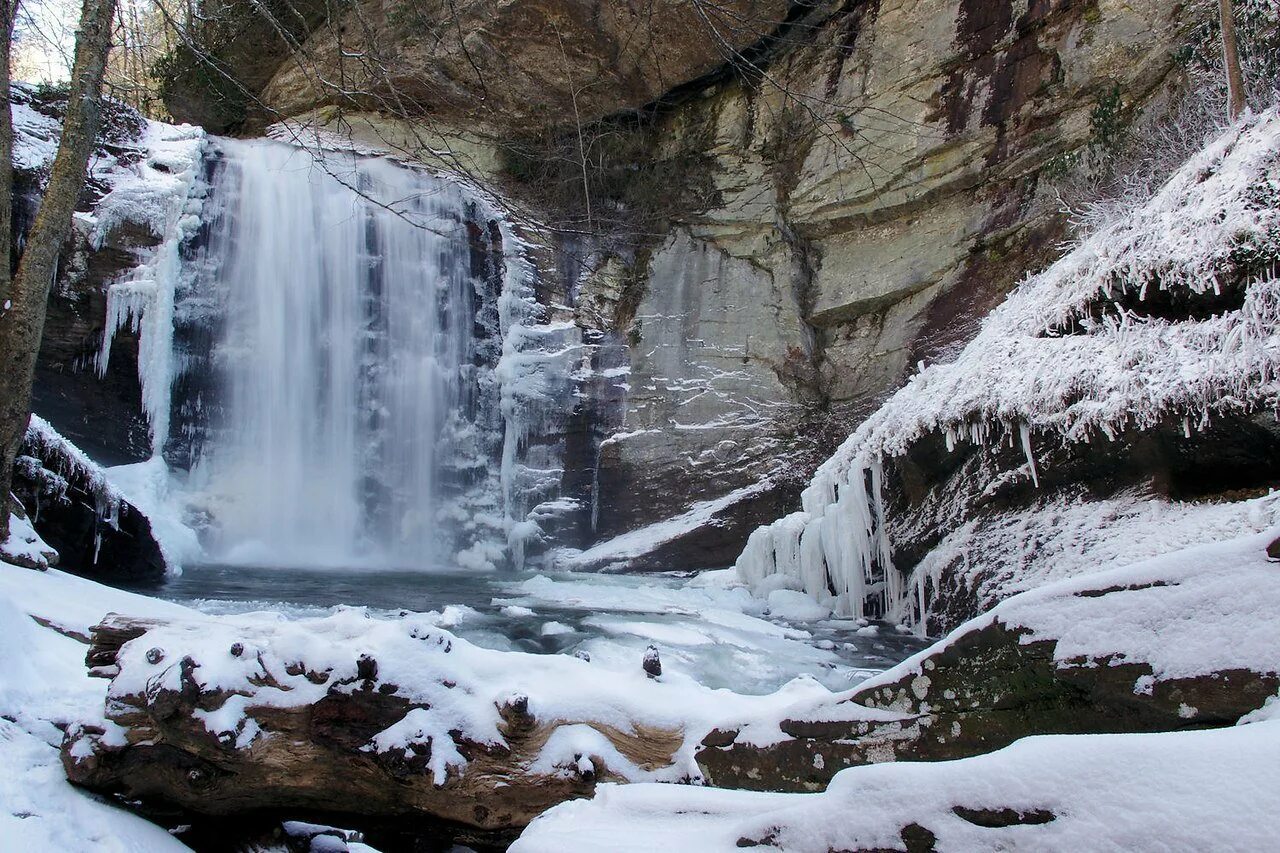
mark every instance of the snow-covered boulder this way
{"type": "Point", "coordinates": [94, 529]}
{"type": "Point", "coordinates": [1103, 401]}
{"type": "Point", "coordinates": [1187, 640]}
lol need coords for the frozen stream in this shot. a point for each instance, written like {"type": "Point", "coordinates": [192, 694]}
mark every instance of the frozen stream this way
{"type": "Point", "coordinates": [705, 627]}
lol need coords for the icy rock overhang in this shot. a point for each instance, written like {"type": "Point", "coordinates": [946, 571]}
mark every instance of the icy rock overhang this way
{"type": "Point", "coordinates": [1168, 312]}
{"type": "Point", "coordinates": [96, 531]}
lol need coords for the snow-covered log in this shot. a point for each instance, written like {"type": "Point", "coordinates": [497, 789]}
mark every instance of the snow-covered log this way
{"type": "Point", "coordinates": [352, 715]}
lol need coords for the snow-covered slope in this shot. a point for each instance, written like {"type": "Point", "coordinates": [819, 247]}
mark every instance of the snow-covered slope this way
{"type": "Point", "coordinates": [1208, 790]}
{"type": "Point", "coordinates": [1201, 613]}
{"type": "Point", "coordinates": [44, 685]}
{"type": "Point", "coordinates": [1169, 312]}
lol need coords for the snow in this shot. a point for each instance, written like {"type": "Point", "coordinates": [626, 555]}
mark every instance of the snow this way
{"type": "Point", "coordinates": [1200, 790]}
{"type": "Point", "coordinates": [644, 539]}
{"type": "Point", "coordinates": [1024, 379]}
{"type": "Point", "coordinates": [42, 435]}
{"type": "Point", "coordinates": [1071, 536]}
{"type": "Point", "coordinates": [1194, 612]}
{"type": "Point", "coordinates": [43, 682]}
{"type": "Point", "coordinates": [149, 487]}
{"type": "Point", "coordinates": [35, 137]}
{"type": "Point", "coordinates": [796, 606]}
{"type": "Point", "coordinates": [460, 685]}
{"type": "Point", "coordinates": [25, 546]}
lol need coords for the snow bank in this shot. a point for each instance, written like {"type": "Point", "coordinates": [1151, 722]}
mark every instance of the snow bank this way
{"type": "Point", "coordinates": [620, 549]}
{"type": "Point", "coordinates": [1062, 359]}
{"type": "Point", "coordinates": [1206, 790]}
{"type": "Point", "coordinates": [43, 685]}
{"type": "Point", "coordinates": [995, 557]}
{"type": "Point", "coordinates": [1195, 612]}
{"type": "Point", "coordinates": [24, 547]}
{"type": "Point", "coordinates": [75, 464]}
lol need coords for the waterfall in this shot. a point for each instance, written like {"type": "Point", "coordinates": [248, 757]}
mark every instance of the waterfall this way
{"type": "Point", "coordinates": [344, 364]}
{"type": "Point", "coordinates": [340, 312]}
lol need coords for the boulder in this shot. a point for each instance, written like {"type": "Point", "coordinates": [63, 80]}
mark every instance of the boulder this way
{"type": "Point", "coordinates": [1113, 652]}
{"type": "Point", "coordinates": [96, 531]}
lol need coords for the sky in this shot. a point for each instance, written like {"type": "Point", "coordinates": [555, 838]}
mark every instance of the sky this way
{"type": "Point", "coordinates": [45, 37]}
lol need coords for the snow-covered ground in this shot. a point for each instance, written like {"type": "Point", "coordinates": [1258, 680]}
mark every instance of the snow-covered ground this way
{"type": "Point", "coordinates": [703, 628]}
{"type": "Point", "coordinates": [44, 686]}
{"type": "Point", "coordinates": [1067, 537]}
{"type": "Point", "coordinates": [1185, 791]}
{"type": "Point", "coordinates": [1196, 612]}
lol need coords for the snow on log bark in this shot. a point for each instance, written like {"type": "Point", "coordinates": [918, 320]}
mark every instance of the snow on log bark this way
{"type": "Point", "coordinates": [346, 714]}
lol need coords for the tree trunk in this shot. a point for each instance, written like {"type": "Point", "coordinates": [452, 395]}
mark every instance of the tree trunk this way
{"type": "Point", "coordinates": [8, 14]}
{"type": "Point", "coordinates": [22, 321]}
{"type": "Point", "coordinates": [1231, 57]}
{"type": "Point", "coordinates": [320, 754]}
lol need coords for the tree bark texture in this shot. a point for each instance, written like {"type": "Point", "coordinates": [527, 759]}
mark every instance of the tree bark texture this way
{"type": "Point", "coordinates": [22, 313]}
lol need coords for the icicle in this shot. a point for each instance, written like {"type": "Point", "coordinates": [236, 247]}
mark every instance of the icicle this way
{"type": "Point", "coordinates": [1025, 432]}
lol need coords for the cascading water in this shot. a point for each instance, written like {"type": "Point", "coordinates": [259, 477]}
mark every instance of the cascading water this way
{"type": "Point", "coordinates": [343, 358]}
{"type": "Point", "coordinates": [346, 356]}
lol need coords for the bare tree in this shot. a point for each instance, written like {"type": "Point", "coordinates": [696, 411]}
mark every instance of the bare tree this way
{"type": "Point", "coordinates": [22, 313]}
{"type": "Point", "coordinates": [1231, 61]}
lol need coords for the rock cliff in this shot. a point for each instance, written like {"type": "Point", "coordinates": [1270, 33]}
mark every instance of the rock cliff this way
{"type": "Point", "coordinates": [784, 208]}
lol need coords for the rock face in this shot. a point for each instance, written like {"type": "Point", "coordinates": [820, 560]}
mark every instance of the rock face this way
{"type": "Point", "coordinates": [774, 243]}
{"type": "Point", "coordinates": [870, 199]}
{"type": "Point", "coordinates": [101, 414]}
{"type": "Point", "coordinates": [515, 66]}
{"type": "Point", "coordinates": [985, 490]}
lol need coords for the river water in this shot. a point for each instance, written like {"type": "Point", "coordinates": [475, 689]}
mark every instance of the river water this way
{"type": "Point", "coordinates": [703, 626]}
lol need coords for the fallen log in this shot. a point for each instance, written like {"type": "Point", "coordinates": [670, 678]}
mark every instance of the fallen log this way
{"type": "Point", "coordinates": [352, 715]}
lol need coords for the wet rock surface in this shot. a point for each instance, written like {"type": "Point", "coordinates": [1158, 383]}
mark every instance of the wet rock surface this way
{"type": "Point", "coordinates": [96, 532]}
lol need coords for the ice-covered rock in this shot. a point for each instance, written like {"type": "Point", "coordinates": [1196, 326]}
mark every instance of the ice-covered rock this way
{"type": "Point", "coordinates": [1114, 368]}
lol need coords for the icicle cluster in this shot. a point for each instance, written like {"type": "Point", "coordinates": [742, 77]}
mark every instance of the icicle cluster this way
{"type": "Point", "coordinates": [69, 464]}
{"type": "Point", "coordinates": [835, 547]}
{"type": "Point", "coordinates": [160, 196]}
